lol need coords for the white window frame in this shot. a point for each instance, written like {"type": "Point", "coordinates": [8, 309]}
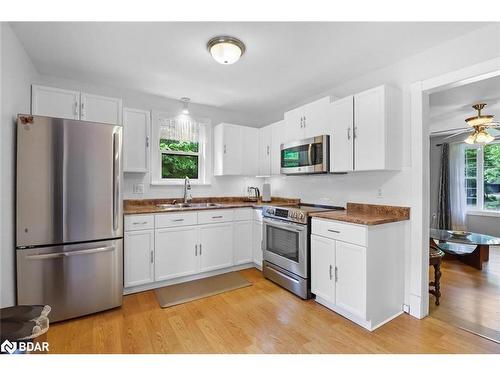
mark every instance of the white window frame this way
{"type": "Point", "coordinates": [204, 152]}
{"type": "Point", "coordinates": [479, 209]}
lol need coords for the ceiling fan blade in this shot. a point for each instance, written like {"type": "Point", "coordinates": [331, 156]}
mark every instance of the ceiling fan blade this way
{"type": "Point", "coordinates": [460, 132]}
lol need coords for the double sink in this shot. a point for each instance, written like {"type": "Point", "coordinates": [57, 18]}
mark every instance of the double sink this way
{"type": "Point", "coordinates": [176, 206]}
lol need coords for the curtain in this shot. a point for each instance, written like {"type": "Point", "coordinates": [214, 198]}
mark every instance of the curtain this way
{"type": "Point", "coordinates": [457, 186]}
{"type": "Point", "coordinates": [444, 209]}
{"type": "Point", "coordinates": [180, 128]}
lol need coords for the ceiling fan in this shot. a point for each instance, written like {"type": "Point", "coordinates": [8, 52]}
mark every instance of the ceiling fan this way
{"type": "Point", "coordinates": [479, 127]}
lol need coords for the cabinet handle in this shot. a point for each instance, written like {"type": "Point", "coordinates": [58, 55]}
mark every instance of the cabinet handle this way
{"type": "Point", "coordinates": [139, 223]}
{"type": "Point", "coordinates": [355, 132]}
{"type": "Point", "coordinates": [349, 133]}
{"type": "Point", "coordinates": [178, 220]}
{"type": "Point", "coordinates": [225, 149]}
{"type": "Point", "coordinates": [336, 274]}
{"type": "Point", "coordinates": [217, 217]}
{"type": "Point", "coordinates": [333, 231]}
{"type": "Point", "coordinates": [305, 122]}
{"type": "Point", "coordinates": [200, 248]}
{"type": "Point", "coordinates": [76, 109]}
{"type": "Point", "coordinates": [151, 257]}
{"type": "Point", "coordinates": [147, 141]}
{"type": "Point", "coordinates": [82, 110]}
{"type": "Point", "coordinates": [331, 271]}
{"type": "Point", "coordinates": [268, 150]}
{"type": "Point", "coordinates": [195, 250]}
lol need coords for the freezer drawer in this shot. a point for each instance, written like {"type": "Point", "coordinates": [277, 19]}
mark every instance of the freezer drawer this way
{"type": "Point", "coordinates": [74, 280]}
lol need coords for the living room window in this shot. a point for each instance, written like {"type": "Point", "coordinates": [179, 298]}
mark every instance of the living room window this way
{"type": "Point", "coordinates": [482, 177]}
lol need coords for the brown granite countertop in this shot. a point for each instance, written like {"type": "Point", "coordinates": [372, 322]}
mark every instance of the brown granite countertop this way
{"type": "Point", "coordinates": [367, 214]}
{"type": "Point", "coordinates": [148, 206]}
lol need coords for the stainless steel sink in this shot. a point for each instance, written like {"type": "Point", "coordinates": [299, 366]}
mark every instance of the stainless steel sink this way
{"type": "Point", "coordinates": [167, 206]}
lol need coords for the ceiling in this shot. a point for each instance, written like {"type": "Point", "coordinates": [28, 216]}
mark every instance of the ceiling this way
{"type": "Point", "coordinates": [284, 63]}
{"type": "Point", "coordinates": [458, 101]}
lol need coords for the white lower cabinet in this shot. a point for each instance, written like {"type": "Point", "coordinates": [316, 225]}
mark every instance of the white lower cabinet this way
{"type": "Point", "coordinates": [257, 238]}
{"type": "Point", "coordinates": [176, 252]}
{"type": "Point", "coordinates": [362, 279]}
{"type": "Point", "coordinates": [243, 244]}
{"type": "Point", "coordinates": [139, 257]}
{"type": "Point", "coordinates": [215, 246]}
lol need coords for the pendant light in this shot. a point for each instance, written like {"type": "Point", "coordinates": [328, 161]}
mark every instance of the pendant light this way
{"type": "Point", "coordinates": [185, 102]}
{"type": "Point", "coordinates": [226, 50]}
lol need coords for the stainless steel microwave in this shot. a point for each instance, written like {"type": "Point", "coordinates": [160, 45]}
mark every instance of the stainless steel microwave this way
{"type": "Point", "coordinates": [308, 156]}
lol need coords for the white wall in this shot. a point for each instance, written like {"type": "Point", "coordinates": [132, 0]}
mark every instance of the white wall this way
{"type": "Point", "coordinates": [17, 72]}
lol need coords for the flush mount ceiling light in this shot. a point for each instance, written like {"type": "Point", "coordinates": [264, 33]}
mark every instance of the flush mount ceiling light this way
{"type": "Point", "coordinates": [226, 50]}
{"type": "Point", "coordinates": [479, 126]}
{"type": "Point", "coordinates": [185, 102]}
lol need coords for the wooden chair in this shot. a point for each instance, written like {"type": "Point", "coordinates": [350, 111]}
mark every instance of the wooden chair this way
{"type": "Point", "coordinates": [435, 258]}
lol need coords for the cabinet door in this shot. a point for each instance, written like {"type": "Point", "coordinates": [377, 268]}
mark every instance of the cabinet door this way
{"type": "Point", "coordinates": [216, 246]}
{"type": "Point", "coordinates": [294, 125]}
{"type": "Point", "coordinates": [176, 252]}
{"type": "Point", "coordinates": [136, 125]}
{"type": "Point", "coordinates": [243, 251]}
{"type": "Point", "coordinates": [323, 268]}
{"type": "Point", "coordinates": [277, 138]}
{"type": "Point", "coordinates": [265, 137]}
{"type": "Point", "coordinates": [228, 151]}
{"type": "Point", "coordinates": [342, 141]}
{"type": "Point", "coordinates": [316, 118]}
{"type": "Point", "coordinates": [350, 288]}
{"type": "Point", "coordinates": [257, 243]}
{"type": "Point", "coordinates": [53, 102]}
{"type": "Point", "coordinates": [138, 257]}
{"type": "Point", "coordinates": [249, 150]}
{"type": "Point", "coordinates": [369, 126]}
{"type": "Point", "coordinates": [97, 108]}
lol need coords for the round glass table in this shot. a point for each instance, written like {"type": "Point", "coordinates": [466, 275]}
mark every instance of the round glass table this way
{"type": "Point", "coordinates": [472, 249]}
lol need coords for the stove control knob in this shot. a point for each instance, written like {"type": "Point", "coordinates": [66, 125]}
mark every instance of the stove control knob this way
{"type": "Point", "coordinates": [302, 216]}
{"type": "Point", "coordinates": [270, 211]}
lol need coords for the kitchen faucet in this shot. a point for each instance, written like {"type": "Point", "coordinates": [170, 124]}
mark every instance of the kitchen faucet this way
{"type": "Point", "coordinates": [187, 191]}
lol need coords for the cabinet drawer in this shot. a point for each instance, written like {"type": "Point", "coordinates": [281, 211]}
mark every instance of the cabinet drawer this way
{"type": "Point", "coordinates": [339, 231]}
{"type": "Point", "coordinates": [176, 219]}
{"type": "Point", "coordinates": [241, 214]}
{"type": "Point", "coordinates": [215, 216]}
{"type": "Point", "coordinates": [139, 222]}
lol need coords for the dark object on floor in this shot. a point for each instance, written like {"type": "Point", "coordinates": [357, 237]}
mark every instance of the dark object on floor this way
{"type": "Point", "coordinates": [189, 291]}
{"type": "Point", "coordinates": [435, 258]}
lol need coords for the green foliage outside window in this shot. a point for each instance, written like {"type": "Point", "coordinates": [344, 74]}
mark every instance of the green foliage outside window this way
{"type": "Point", "coordinates": [492, 176]}
{"type": "Point", "coordinates": [179, 165]}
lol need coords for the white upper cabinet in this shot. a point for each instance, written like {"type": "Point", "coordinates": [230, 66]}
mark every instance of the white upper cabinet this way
{"type": "Point", "coordinates": [235, 150]}
{"type": "Point", "coordinates": [366, 131]}
{"type": "Point", "coordinates": [342, 140]}
{"type": "Point", "coordinates": [277, 134]}
{"type": "Point", "coordinates": [97, 108]}
{"type": "Point", "coordinates": [136, 126]}
{"type": "Point", "coordinates": [310, 120]}
{"type": "Point", "coordinates": [265, 144]}
{"type": "Point", "coordinates": [75, 105]}
{"type": "Point", "coordinates": [54, 102]}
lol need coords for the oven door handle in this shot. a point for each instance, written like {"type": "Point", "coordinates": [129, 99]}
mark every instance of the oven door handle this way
{"type": "Point", "coordinates": [284, 224]}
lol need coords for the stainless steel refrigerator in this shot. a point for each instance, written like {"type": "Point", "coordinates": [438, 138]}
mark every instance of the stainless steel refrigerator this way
{"type": "Point", "coordinates": [69, 215]}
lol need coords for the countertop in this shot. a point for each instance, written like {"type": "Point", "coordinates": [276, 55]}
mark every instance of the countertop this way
{"type": "Point", "coordinates": [148, 206]}
{"type": "Point", "coordinates": [366, 214]}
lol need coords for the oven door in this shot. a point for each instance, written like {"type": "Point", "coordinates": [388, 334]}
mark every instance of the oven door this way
{"type": "Point", "coordinates": [285, 245]}
{"type": "Point", "coordinates": [307, 156]}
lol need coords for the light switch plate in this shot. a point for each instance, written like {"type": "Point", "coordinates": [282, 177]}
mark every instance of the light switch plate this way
{"type": "Point", "coordinates": [138, 188]}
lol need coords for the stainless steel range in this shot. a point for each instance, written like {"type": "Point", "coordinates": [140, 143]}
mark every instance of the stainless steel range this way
{"type": "Point", "coordinates": [286, 246]}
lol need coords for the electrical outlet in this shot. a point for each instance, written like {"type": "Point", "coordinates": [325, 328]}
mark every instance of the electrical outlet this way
{"type": "Point", "coordinates": [379, 193]}
{"type": "Point", "coordinates": [138, 188]}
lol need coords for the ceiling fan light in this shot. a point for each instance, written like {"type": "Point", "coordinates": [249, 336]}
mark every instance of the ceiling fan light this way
{"type": "Point", "coordinates": [471, 139]}
{"type": "Point", "coordinates": [226, 50]}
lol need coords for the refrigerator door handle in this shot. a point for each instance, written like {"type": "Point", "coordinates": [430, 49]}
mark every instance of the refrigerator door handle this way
{"type": "Point", "coordinates": [90, 251]}
{"type": "Point", "coordinates": [116, 179]}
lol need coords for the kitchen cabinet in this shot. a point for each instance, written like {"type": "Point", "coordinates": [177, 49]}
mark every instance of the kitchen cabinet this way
{"type": "Point", "coordinates": [216, 246]}
{"type": "Point", "coordinates": [54, 102]}
{"type": "Point", "coordinates": [367, 131]}
{"type": "Point", "coordinates": [309, 120]}
{"type": "Point", "coordinates": [243, 236]}
{"type": "Point", "coordinates": [176, 252]}
{"type": "Point", "coordinates": [265, 144]}
{"type": "Point", "coordinates": [136, 127]}
{"type": "Point", "coordinates": [277, 138]}
{"type": "Point", "coordinates": [75, 105]}
{"type": "Point", "coordinates": [357, 270]}
{"type": "Point", "coordinates": [235, 150]}
{"type": "Point", "coordinates": [257, 239]}
{"type": "Point", "coordinates": [138, 257]}
{"type": "Point", "coordinates": [98, 108]}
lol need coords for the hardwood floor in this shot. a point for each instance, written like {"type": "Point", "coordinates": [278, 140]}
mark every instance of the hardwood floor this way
{"type": "Point", "coordinates": [263, 318]}
{"type": "Point", "coordinates": [470, 297]}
